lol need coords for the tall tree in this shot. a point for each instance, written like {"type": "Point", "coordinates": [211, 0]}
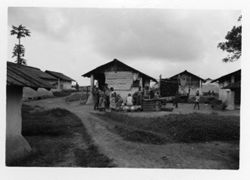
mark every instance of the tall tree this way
{"type": "Point", "coordinates": [232, 45]}
{"type": "Point", "coordinates": [19, 50]}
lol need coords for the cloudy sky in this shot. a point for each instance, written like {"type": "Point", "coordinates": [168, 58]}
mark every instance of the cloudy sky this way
{"type": "Point", "coordinates": [156, 41]}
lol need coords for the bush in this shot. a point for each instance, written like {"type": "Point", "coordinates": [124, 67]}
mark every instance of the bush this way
{"type": "Point", "coordinates": [218, 104]}
{"type": "Point", "coordinates": [62, 93]}
{"type": "Point", "coordinates": [77, 97]}
{"type": "Point", "coordinates": [73, 97]}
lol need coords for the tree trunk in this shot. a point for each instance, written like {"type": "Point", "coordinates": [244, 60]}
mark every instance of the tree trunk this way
{"type": "Point", "coordinates": [18, 55]}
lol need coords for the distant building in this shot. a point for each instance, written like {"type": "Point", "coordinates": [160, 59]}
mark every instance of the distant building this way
{"type": "Point", "coordinates": [230, 89]}
{"type": "Point", "coordinates": [123, 78]}
{"type": "Point", "coordinates": [188, 83]}
{"type": "Point", "coordinates": [209, 86]}
{"type": "Point", "coordinates": [62, 82]}
{"type": "Point", "coordinates": [30, 93]}
{"type": "Point", "coordinates": [19, 76]}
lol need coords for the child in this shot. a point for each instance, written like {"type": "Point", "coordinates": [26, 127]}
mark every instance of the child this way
{"type": "Point", "coordinates": [197, 100]}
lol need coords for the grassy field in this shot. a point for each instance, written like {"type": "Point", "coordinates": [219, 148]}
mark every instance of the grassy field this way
{"type": "Point", "coordinates": [58, 138]}
{"type": "Point", "coordinates": [174, 128]}
{"type": "Point", "coordinates": [203, 137]}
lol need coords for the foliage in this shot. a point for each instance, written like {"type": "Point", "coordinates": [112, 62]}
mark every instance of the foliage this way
{"type": "Point", "coordinates": [232, 45]}
{"type": "Point", "coordinates": [19, 50]}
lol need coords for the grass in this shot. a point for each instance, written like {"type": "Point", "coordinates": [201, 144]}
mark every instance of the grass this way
{"type": "Point", "coordinates": [188, 128]}
{"type": "Point", "coordinates": [203, 138]}
{"type": "Point", "coordinates": [92, 158]}
{"type": "Point", "coordinates": [137, 135]}
{"type": "Point", "coordinates": [51, 134]}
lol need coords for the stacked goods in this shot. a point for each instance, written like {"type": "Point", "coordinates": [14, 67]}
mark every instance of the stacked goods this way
{"type": "Point", "coordinates": [151, 105]}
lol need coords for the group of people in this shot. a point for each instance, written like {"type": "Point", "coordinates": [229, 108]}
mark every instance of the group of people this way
{"type": "Point", "coordinates": [108, 99]}
{"type": "Point", "coordinates": [102, 97]}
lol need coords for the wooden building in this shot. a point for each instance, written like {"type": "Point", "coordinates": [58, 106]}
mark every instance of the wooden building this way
{"type": "Point", "coordinates": [18, 77]}
{"type": "Point", "coordinates": [62, 82]}
{"type": "Point", "coordinates": [230, 89]}
{"type": "Point", "coordinates": [123, 78]}
{"type": "Point", "coordinates": [188, 83]}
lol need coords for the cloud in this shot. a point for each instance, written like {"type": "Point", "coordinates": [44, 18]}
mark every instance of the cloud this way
{"type": "Point", "coordinates": [156, 41]}
{"type": "Point", "coordinates": [132, 33]}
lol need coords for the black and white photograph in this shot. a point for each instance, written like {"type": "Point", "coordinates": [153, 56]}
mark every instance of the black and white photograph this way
{"type": "Point", "coordinates": [134, 88]}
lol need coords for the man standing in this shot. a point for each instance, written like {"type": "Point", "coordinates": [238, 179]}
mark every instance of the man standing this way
{"type": "Point", "coordinates": [112, 102]}
{"type": "Point", "coordinates": [107, 94]}
{"type": "Point", "coordinates": [96, 97]}
{"type": "Point", "coordinates": [176, 99]}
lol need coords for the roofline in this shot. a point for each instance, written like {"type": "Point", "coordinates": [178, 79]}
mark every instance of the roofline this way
{"type": "Point", "coordinates": [88, 73]}
{"type": "Point", "coordinates": [48, 71]}
{"type": "Point", "coordinates": [225, 75]}
{"type": "Point", "coordinates": [24, 65]}
{"type": "Point", "coordinates": [185, 71]}
{"type": "Point", "coordinates": [27, 77]}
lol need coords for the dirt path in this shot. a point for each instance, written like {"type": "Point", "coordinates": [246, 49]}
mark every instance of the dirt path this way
{"type": "Point", "coordinates": [130, 154]}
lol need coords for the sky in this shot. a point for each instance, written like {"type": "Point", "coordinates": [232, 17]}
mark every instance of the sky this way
{"type": "Point", "coordinates": [157, 42]}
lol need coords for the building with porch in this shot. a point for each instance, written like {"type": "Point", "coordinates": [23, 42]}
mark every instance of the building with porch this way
{"type": "Point", "coordinates": [62, 82]}
{"type": "Point", "coordinates": [230, 89]}
{"type": "Point", "coordinates": [123, 78]}
{"type": "Point", "coordinates": [188, 83]}
{"type": "Point", "coordinates": [18, 77]}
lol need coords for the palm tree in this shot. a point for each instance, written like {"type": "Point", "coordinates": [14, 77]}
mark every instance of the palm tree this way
{"type": "Point", "coordinates": [18, 51]}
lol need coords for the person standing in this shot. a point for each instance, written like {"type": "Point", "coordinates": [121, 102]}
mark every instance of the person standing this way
{"type": "Point", "coordinates": [107, 96]}
{"type": "Point", "coordinates": [112, 99]}
{"type": "Point", "coordinates": [101, 104]}
{"type": "Point", "coordinates": [176, 100]}
{"type": "Point", "coordinates": [129, 101]}
{"type": "Point", "coordinates": [96, 97]}
{"type": "Point", "coordinates": [197, 100]}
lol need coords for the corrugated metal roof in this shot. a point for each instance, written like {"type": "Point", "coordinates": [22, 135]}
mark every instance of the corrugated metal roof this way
{"type": "Point", "coordinates": [186, 72]}
{"type": "Point", "coordinates": [103, 67]}
{"type": "Point", "coordinates": [26, 76]}
{"type": "Point", "coordinates": [228, 76]}
{"type": "Point", "coordinates": [59, 75]}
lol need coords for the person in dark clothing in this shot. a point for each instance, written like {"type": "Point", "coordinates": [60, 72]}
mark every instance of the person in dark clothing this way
{"type": "Point", "coordinates": [96, 98]}
{"type": "Point", "coordinates": [197, 100]}
{"type": "Point", "coordinates": [151, 94]}
{"type": "Point", "coordinates": [176, 100]}
{"type": "Point", "coordinates": [107, 96]}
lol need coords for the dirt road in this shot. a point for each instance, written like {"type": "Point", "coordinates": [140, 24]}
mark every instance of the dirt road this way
{"type": "Point", "coordinates": [139, 155]}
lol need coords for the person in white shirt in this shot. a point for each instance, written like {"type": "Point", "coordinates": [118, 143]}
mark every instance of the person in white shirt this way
{"type": "Point", "coordinates": [129, 100]}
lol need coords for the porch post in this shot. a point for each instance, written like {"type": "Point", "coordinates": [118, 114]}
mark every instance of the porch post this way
{"type": "Point", "coordinates": [230, 100]}
{"type": "Point", "coordinates": [16, 145]}
{"type": "Point", "coordinates": [90, 98]}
